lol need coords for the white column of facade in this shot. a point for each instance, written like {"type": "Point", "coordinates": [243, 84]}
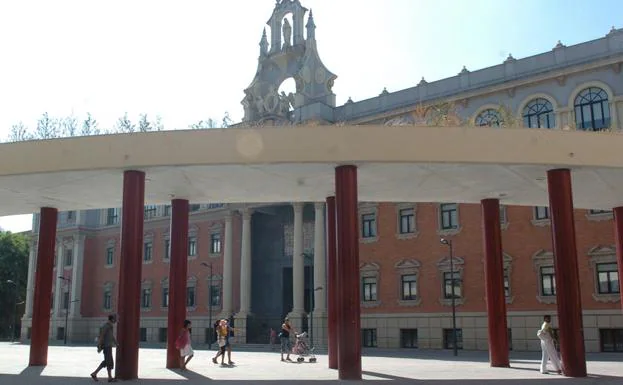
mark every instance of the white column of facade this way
{"type": "Point", "coordinates": [76, 276]}
{"type": "Point", "coordinates": [228, 266]}
{"type": "Point", "coordinates": [319, 260]}
{"type": "Point", "coordinates": [58, 283]}
{"type": "Point", "coordinates": [245, 263]}
{"type": "Point", "coordinates": [30, 286]}
{"type": "Point", "coordinates": [298, 262]}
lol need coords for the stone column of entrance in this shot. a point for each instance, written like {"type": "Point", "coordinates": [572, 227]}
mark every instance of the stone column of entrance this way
{"type": "Point", "coordinates": [494, 283]}
{"type": "Point", "coordinates": [245, 277]}
{"type": "Point", "coordinates": [228, 269]}
{"type": "Point", "coordinates": [298, 269]}
{"type": "Point", "coordinates": [568, 298]}
{"type": "Point", "coordinates": [27, 319]}
{"type": "Point", "coordinates": [349, 323]}
{"type": "Point", "coordinates": [40, 331]}
{"type": "Point", "coordinates": [59, 316]}
{"type": "Point", "coordinates": [178, 272]}
{"type": "Point", "coordinates": [618, 238]}
{"type": "Point", "coordinates": [77, 329]}
{"type": "Point", "coordinates": [332, 285]}
{"type": "Point", "coordinates": [320, 283]}
{"type": "Point", "coordinates": [130, 265]}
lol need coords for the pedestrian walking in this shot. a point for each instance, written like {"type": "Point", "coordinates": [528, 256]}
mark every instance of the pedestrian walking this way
{"type": "Point", "coordinates": [183, 344]}
{"type": "Point", "coordinates": [548, 348]}
{"type": "Point", "coordinates": [106, 341]}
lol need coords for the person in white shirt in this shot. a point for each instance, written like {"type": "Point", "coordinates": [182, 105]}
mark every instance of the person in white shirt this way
{"type": "Point", "coordinates": [549, 353]}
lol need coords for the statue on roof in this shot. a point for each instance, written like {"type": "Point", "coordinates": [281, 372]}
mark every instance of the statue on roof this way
{"type": "Point", "coordinates": [287, 33]}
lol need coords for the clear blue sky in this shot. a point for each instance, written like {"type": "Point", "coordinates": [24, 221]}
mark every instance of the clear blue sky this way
{"type": "Point", "coordinates": [189, 60]}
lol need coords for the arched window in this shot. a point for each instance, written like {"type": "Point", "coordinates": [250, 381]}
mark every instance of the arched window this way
{"type": "Point", "coordinates": [489, 117]}
{"type": "Point", "coordinates": [592, 112]}
{"type": "Point", "coordinates": [539, 114]}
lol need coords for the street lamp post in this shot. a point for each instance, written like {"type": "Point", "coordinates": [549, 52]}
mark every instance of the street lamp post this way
{"type": "Point", "coordinates": [449, 244]}
{"type": "Point", "coordinates": [209, 266]}
{"type": "Point", "coordinates": [12, 325]}
{"type": "Point", "coordinates": [68, 280]}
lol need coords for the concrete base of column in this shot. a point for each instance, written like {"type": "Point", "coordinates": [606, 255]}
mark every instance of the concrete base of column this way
{"type": "Point", "coordinates": [241, 322]}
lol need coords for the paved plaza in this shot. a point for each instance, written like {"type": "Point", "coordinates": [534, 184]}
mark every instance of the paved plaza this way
{"type": "Point", "coordinates": [71, 365]}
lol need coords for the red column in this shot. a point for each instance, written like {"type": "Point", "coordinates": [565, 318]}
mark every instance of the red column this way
{"type": "Point", "coordinates": [177, 278]}
{"type": "Point", "coordinates": [568, 297]}
{"type": "Point", "coordinates": [40, 331]}
{"type": "Point", "coordinates": [494, 283]}
{"type": "Point", "coordinates": [126, 365]}
{"type": "Point", "coordinates": [349, 325]}
{"type": "Point", "coordinates": [618, 238]}
{"type": "Point", "coordinates": [332, 285]}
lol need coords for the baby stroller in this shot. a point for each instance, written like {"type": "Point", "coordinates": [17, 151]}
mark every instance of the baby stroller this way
{"type": "Point", "coordinates": [302, 349]}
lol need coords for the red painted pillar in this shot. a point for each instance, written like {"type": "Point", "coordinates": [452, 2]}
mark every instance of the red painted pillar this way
{"type": "Point", "coordinates": [40, 331]}
{"type": "Point", "coordinates": [618, 238]}
{"type": "Point", "coordinates": [126, 365]}
{"type": "Point", "coordinates": [494, 283]}
{"type": "Point", "coordinates": [349, 325]}
{"type": "Point", "coordinates": [332, 285]}
{"type": "Point", "coordinates": [177, 278]}
{"type": "Point", "coordinates": [568, 298]}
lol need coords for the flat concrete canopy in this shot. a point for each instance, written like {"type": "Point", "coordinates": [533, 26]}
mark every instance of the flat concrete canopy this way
{"type": "Point", "coordinates": [296, 163]}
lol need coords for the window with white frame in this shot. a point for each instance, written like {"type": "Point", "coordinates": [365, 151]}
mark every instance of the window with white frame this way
{"type": "Point", "coordinates": [148, 248]}
{"type": "Point", "coordinates": [406, 220]}
{"type": "Point", "coordinates": [107, 299]}
{"type": "Point", "coordinates": [150, 211]}
{"type": "Point", "coordinates": [489, 117]}
{"type": "Point", "coordinates": [146, 287]}
{"type": "Point", "coordinates": [369, 289]}
{"type": "Point", "coordinates": [109, 256]}
{"type": "Point", "coordinates": [603, 263]}
{"type": "Point", "coordinates": [543, 262]}
{"type": "Point", "coordinates": [368, 225]}
{"type": "Point", "coordinates": [409, 271]}
{"type": "Point", "coordinates": [112, 216]}
{"type": "Point", "coordinates": [451, 276]}
{"type": "Point", "coordinates": [214, 290]}
{"type": "Point", "coordinates": [541, 213]}
{"type": "Point", "coordinates": [369, 281]}
{"type": "Point", "coordinates": [192, 246]}
{"type": "Point", "coordinates": [68, 256]}
{"type": "Point", "coordinates": [215, 243]}
{"type": "Point", "coordinates": [368, 221]}
{"type": "Point", "coordinates": [448, 216]}
{"type": "Point", "coordinates": [191, 291]}
{"type": "Point", "coordinates": [592, 109]}
{"type": "Point", "coordinates": [539, 113]}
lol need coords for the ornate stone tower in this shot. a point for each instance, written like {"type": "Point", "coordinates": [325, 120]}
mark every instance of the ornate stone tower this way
{"type": "Point", "coordinates": [289, 55]}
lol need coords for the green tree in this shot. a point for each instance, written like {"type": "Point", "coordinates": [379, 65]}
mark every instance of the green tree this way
{"type": "Point", "coordinates": [14, 268]}
{"type": "Point", "coordinates": [144, 125]}
{"type": "Point", "coordinates": [69, 126]}
{"type": "Point", "coordinates": [19, 132]}
{"type": "Point", "coordinates": [124, 124]}
{"type": "Point", "coordinates": [89, 126]}
{"type": "Point", "coordinates": [47, 128]}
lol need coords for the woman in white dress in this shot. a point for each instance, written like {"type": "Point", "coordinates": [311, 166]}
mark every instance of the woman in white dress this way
{"type": "Point", "coordinates": [184, 345]}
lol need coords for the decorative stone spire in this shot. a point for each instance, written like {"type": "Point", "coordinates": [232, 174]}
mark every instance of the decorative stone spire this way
{"type": "Point", "coordinates": [384, 92]}
{"type": "Point", "coordinates": [464, 71]}
{"type": "Point", "coordinates": [422, 82]}
{"type": "Point", "coordinates": [264, 44]}
{"type": "Point", "coordinates": [559, 45]}
{"type": "Point", "coordinates": [311, 26]}
{"type": "Point", "coordinates": [510, 58]}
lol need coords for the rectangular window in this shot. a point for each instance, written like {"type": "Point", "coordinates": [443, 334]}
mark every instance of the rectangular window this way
{"type": "Point", "coordinates": [69, 256]}
{"type": "Point", "coordinates": [167, 249]}
{"type": "Point", "coordinates": [502, 215]}
{"type": "Point", "coordinates": [71, 216]}
{"type": "Point", "coordinates": [449, 216]}
{"type": "Point", "coordinates": [599, 212]}
{"type": "Point", "coordinates": [408, 338]}
{"type": "Point", "coordinates": [112, 216]}
{"type": "Point", "coordinates": [147, 251]}
{"type": "Point", "coordinates": [448, 338]}
{"type": "Point", "coordinates": [407, 221]}
{"type": "Point", "coordinates": [368, 225]}
{"type": "Point", "coordinates": [146, 298]}
{"type": "Point", "coordinates": [611, 340]}
{"type": "Point", "coordinates": [448, 282]}
{"type": "Point", "coordinates": [369, 288]}
{"type": "Point", "coordinates": [107, 300]}
{"type": "Point", "coordinates": [194, 207]}
{"type": "Point", "coordinates": [368, 337]}
{"type": "Point", "coordinates": [507, 283]}
{"type": "Point", "coordinates": [162, 334]}
{"type": "Point", "coordinates": [65, 300]}
{"type": "Point", "coordinates": [190, 296]}
{"type": "Point", "coordinates": [192, 246]}
{"type": "Point", "coordinates": [165, 297]}
{"type": "Point", "coordinates": [215, 243]}
{"type": "Point", "coordinates": [150, 211]}
{"type": "Point", "coordinates": [110, 252]}
{"type": "Point", "coordinates": [143, 333]}
{"type": "Point", "coordinates": [541, 213]}
{"type": "Point", "coordinates": [608, 278]}
{"type": "Point", "coordinates": [215, 295]}
{"type": "Point", "coordinates": [548, 281]}
{"type": "Point", "coordinates": [167, 210]}
{"type": "Point", "coordinates": [409, 287]}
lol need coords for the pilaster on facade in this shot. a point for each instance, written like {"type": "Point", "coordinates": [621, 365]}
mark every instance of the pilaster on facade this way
{"type": "Point", "coordinates": [298, 261]}
{"type": "Point", "coordinates": [228, 300]}
{"type": "Point", "coordinates": [76, 276]}
{"type": "Point", "coordinates": [245, 264]}
{"type": "Point", "coordinates": [320, 279]}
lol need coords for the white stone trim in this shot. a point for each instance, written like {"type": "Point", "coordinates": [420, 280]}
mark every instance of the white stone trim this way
{"type": "Point", "coordinates": [408, 267]}
{"type": "Point", "coordinates": [370, 269]}
{"type": "Point", "coordinates": [483, 108]}
{"type": "Point", "coordinates": [597, 255]}
{"type": "Point", "coordinates": [598, 217]}
{"type": "Point", "coordinates": [443, 266]}
{"type": "Point", "coordinates": [543, 258]}
{"type": "Point", "coordinates": [540, 222]}
{"type": "Point", "coordinates": [448, 232]}
{"type": "Point", "coordinates": [524, 103]}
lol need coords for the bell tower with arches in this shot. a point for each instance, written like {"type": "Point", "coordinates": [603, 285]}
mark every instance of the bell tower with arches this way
{"type": "Point", "coordinates": [292, 53]}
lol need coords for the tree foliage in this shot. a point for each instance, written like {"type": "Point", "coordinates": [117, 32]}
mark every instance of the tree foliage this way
{"type": "Point", "coordinates": [14, 251]}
